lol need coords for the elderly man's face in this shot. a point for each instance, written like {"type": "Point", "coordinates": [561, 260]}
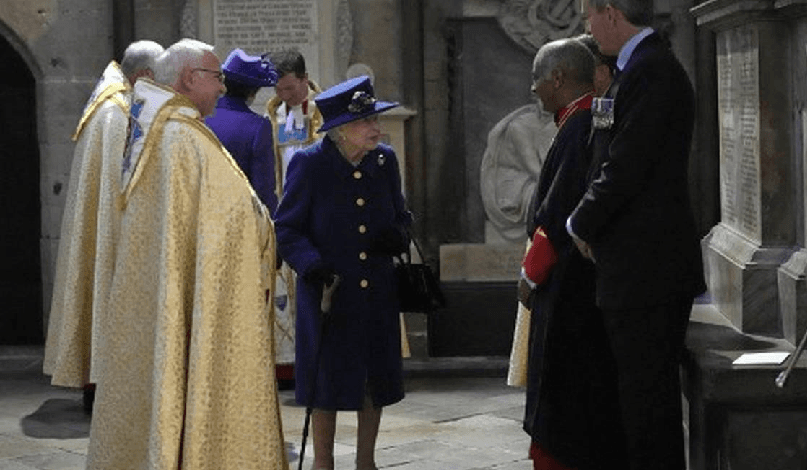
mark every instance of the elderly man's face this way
{"type": "Point", "coordinates": [600, 23]}
{"type": "Point", "coordinates": [206, 84]}
{"type": "Point", "coordinates": [542, 87]}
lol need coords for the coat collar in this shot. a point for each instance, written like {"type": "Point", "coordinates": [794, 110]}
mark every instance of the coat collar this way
{"type": "Point", "coordinates": [647, 42]}
{"type": "Point", "coordinates": [370, 165]}
{"type": "Point", "coordinates": [232, 103]}
{"type": "Point", "coordinates": [627, 50]}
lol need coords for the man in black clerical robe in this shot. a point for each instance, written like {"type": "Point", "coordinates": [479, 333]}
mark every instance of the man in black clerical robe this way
{"type": "Point", "coordinates": [572, 412]}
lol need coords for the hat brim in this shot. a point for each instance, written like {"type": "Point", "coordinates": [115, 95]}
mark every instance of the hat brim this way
{"type": "Point", "coordinates": [378, 107]}
{"type": "Point", "coordinates": [247, 80]}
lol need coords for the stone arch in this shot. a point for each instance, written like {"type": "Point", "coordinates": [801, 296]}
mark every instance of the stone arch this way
{"type": "Point", "coordinates": [20, 207]}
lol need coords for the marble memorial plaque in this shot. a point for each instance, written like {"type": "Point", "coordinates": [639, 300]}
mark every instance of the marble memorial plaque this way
{"type": "Point", "coordinates": [258, 26]}
{"type": "Point", "coordinates": [739, 124]}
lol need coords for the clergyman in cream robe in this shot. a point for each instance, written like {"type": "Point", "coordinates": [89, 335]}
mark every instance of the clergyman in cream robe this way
{"type": "Point", "coordinates": [191, 383]}
{"type": "Point", "coordinates": [89, 230]}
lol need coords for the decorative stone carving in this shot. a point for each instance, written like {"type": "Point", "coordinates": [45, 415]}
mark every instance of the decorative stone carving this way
{"type": "Point", "coordinates": [517, 146]}
{"type": "Point", "coordinates": [532, 23]}
{"type": "Point", "coordinates": [344, 35]}
{"type": "Point", "coordinates": [188, 22]}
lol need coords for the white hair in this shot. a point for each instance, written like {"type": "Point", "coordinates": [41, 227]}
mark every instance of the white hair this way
{"type": "Point", "coordinates": [140, 56]}
{"type": "Point", "coordinates": [569, 56]}
{"type": "Point", "coordinates": [184, 53]}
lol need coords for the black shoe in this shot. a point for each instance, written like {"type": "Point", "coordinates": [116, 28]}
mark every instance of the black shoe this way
{"type": "Point", "coordinates": [285, 384]}
{"type": "Point", "coordinates": [88, 398]}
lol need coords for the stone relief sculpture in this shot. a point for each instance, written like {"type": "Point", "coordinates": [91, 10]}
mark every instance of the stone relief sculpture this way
{"type": "Point", "coordinates": [531, 23]}
{"type": "Point", "coordinates": [518, 143]}
{"type": "Point", "coordinates": [511, 164]}
{"type": "Point", "coordinates": [344, 36]}
{"type": "Point", "coordinates": [187, 23]}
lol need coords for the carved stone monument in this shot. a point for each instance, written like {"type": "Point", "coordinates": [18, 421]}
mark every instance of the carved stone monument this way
{"type": "Point", "coordinates": [320, 29]}
{"type": "Point", "coordinates": [514, 149]}
{"type": "Point", "coordinates": [755, 258]}
{"type": "Point", "coordinates": [500, 139]}
{"type": "Point", "coordinates": [757, 229]}
{"type": "Point", "coordinates": [511, 165]}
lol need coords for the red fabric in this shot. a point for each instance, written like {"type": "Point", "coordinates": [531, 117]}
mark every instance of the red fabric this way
{"type": "Point", "coordinates": [584, 102]}
{"type": "Point", "coordinates": [541, 460]}
{"type": "Point", "coordinates": [284, 371]}
{"type": "Point", "coordinates": [541, 257]}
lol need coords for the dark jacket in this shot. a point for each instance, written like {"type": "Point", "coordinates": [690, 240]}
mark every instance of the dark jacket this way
{"type": "Point", "coordinates": [248, 138]}
{"type": "Point", "coordinates": [571, 407]}
{"type": "Point", "coordinates": [331, 212]}
{"type": "Point", "coordinates": [637, 214]}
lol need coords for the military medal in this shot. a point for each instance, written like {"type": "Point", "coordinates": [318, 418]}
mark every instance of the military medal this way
{"type": "Point", "coordinates": [602, 113]}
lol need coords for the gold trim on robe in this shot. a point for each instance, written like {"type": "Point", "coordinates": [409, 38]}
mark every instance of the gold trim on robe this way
{"type": "Point", "coordinates": [192, 383]}
{"type": "Point", "coordinates": [88, 234]}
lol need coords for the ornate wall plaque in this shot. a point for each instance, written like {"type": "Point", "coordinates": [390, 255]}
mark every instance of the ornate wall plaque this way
{"type": "Point", "coordinates": [258, 26]}
{"type": "Point", "coordinates": [533, 23]}
{"type": "Point", "coordinates": [739, 124]}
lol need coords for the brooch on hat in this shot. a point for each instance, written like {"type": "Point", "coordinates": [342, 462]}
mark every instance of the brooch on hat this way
{"type": "Point", "coordinates": [361, 102]}
{"type": "Point", "coordinates": [381, 159]}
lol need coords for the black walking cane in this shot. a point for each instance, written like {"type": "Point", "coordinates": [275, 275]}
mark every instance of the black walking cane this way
{"type": "Point", "coordinates": [325, 306]}
{"type": "Point", "coordinates": [794, 358]}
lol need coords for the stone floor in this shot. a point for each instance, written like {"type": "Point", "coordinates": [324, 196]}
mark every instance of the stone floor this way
{"type": "Point", "coordinates": [457, 414]}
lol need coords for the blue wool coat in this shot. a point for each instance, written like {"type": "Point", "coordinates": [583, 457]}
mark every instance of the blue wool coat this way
{"type": "Point", "coordinates": [332, 211]}
{"type": "Point", "coordinates": [248, 138]}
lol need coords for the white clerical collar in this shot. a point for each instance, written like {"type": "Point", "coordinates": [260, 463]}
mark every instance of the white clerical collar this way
{"type": "Point", "coordinates": [295, 119]}
{"type": "Point", "coordinates": [627, 49]}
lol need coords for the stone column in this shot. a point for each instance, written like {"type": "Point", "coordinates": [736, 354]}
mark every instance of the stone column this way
{"type": "Point", "coordinates": [757, 229]}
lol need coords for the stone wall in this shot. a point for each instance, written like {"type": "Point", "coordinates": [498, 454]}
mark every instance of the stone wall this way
{"type": "Point", "coordinates": [755, 258]}
{"type": "Point", "coordinates": [65, 57]}
{"type": "Point", "coordinates": [451, 62]}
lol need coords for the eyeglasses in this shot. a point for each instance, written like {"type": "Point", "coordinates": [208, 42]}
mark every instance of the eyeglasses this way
{"type": "Point", "coordinates": [216, 73]}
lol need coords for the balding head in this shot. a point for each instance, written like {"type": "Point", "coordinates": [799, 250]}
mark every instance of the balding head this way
{"type": "Point", "coordinates": [562, 71]}
{"type": "Point", "coordinates": [139, 59]}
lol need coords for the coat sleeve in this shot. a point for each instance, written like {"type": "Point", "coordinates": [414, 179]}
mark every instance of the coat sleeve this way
{"type": "Point", "coordinates": [292, 219]}
{"type": "Point", "coordinates": [567, 186]}
{"type": "Point", "coordinates": [402, 215]}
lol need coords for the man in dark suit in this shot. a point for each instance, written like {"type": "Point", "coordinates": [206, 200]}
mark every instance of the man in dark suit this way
{"type": "Point", "coordinates": [636, 223]}
{"type": "Point", "coordinates": [571, 412]}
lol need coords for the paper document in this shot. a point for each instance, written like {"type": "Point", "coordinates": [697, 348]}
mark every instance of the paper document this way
{"type": "Point", "coordinates": [777, 357]}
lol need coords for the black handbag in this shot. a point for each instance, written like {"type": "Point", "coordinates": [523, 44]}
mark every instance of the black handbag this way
{"type": "Point", "coordinates": [418, 288]}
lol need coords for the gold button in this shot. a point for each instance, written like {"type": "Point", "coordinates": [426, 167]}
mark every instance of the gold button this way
{"type": "Point", "coordinates": [364, 283]}
{"type": "Point", "coordinates": [357, 174]}
{"type": "Point", "coordinates": [362, 228]}
{"type": "Point", "coordinates": [362, 256]}
{"type": "Point", "coordinates": [360, 202]}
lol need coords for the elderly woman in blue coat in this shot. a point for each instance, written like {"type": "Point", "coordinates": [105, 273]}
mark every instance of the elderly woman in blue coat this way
{"type": "Point", "coordinates": [343, 214]}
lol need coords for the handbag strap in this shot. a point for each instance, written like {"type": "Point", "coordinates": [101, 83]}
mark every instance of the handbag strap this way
{"type": "Point", "coordinates": [417, 246]}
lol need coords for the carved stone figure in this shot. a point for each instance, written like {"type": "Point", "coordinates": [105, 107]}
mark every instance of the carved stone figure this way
{"type": "Point", "coordinates": [510, 167]}
{"type": "Point", "coordinates": [532, 23]}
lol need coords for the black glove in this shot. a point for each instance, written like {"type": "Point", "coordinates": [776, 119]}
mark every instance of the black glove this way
{"type": "Point", "coordinates": [391, 241]}
{"type": "Point", "coordinates": [319, 274]}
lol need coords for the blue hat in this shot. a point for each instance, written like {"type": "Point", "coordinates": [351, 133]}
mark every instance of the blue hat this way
{"type": "Point", "coordinates": [253, 71]}
{"type": "Point", "coordinates": [349, 101]}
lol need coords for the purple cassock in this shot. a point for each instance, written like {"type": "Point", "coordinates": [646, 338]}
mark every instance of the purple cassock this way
{"type": "Point", "coordinates": [248, 138]}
